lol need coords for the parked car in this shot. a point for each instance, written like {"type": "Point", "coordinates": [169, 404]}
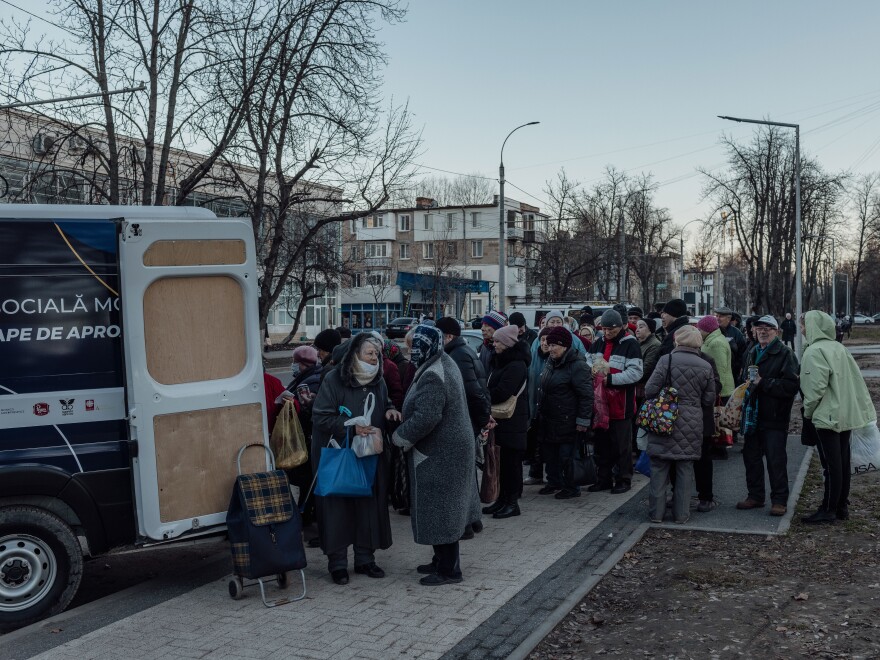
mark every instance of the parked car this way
{"type": "Point", "coordinates": [876, 318]}
{"type": "Point", "coordinates": [475, 323]}
{"type": "Point", "coordinates": [861, 319]}
{"type": "Point", "coordinates": [474, 338]}
{"type": "Point", "coordinates": [397, 328]}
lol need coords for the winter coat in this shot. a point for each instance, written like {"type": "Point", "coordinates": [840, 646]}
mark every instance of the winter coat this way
{"type": "Point", "coordinates": [778, 368]}
{"type": "Point", "coordinates": [709, 411]}
{"type": "Point", "coordinates": [624, 356]}
{"type": "Point", "coordinates": [739, 348]}
{"type": "Point", "coordinates": [391, 374]}
{"type": "Point", "coordinates": [310, 377]}
{"type": "Point", "coordinates": [345, 521]}
{"type": "Point", "coordinates": [437, 437]}
{"type": "Point", "coordinates": [565, 398]}
{"type": "Point", "coordinates": [650, 354]}
{"type": "Point", "coordinates": [668, 342]}
{"type": "Point", "coordinates": [529, 336]}
{"type": "Point", "coordinates": [789, 329]}
{"type": "Point", "coordinates": [487, 351]}
{"type": "Point", "coordinates": [692, 376]}
{"type": "Point", "coordinates": [510, 370]}
{"type": "Point", "coordinates": [834, 393]}
{"type": "Point", "coordinates": [474, 379]}
{"type": "Point", "coordinates": [536, 368]}
{"type": "Point", "coordinates": [716, 346]}
{"type": "Point", "coordinates": [273, 388]}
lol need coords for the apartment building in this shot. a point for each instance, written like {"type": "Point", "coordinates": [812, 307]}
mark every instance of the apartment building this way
{"type": "Point", "coordinates": [437, 260]}
{"type": "Point", "coordinates": [699, 291]}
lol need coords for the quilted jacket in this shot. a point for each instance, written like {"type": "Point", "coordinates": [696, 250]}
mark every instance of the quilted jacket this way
{"type": "Point", "coordinates": [692, 377]}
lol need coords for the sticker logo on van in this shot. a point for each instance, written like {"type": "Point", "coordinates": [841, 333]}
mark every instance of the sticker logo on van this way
{"type": "Point", "coordinates": [66, 406]}
{"type": "Point", "coordinates": [90, 405]}
{"type": "Point", "coordinates": [41, 409]}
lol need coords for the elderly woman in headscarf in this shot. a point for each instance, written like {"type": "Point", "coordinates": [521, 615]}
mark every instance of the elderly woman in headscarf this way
{"type": "Point", "coordinates": [361, 522]}
{"type": "Point", "coordinates": [437, 437]}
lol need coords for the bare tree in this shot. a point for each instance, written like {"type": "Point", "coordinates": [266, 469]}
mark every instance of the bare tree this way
{"type": "Point", "coordinates": [865, 201]}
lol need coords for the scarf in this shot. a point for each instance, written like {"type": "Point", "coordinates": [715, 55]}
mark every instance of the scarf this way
{"type": "Point", "coordinates": [427, 342]}
{"type": "Point", "coordinates": [364, 372]}
{"type": "Point", "coordinates": [750, 401]}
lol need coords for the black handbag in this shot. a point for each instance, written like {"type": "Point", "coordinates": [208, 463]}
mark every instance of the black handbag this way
{"type": "Point", "coordinates": [580, 468]}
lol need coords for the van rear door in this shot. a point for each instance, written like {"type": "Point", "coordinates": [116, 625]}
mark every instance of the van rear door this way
{"type": "Point", "coordinates": [194, 370]}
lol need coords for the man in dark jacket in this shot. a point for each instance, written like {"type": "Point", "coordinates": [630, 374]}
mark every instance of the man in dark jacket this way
{"type": "Point", "coordinates": [765, 417]}
{"type": "Point", "coordinates": [494, 320]}
{"type": "Point", "coordinates": [618, 357]}
{"type": "Point", "coordinates": [674, 316]}
{"type": "Point", "coordinates": [789, 328]}
{"type": "Point", "coordinates": [472, 372]}
{"type": "Point", "coordinates": [526, 334]}
{"type": "Point", "coordinates": [736, 339]}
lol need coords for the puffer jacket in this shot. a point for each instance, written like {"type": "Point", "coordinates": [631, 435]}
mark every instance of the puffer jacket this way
{"type": "Point", "coordinates": [834, 392]}
{"type": "Point", "coordinates": [692, 376]}
{"type": "Point", "coordinates": [778, 368]}
{"type": "Point", "coordinates": [510, 370]}
{"type": "Point", "coordinates": [474, 379]}
{"type": "Point", "coordinates": [624, 357]}
{"type": "Point", "coordinates": [565, 398]}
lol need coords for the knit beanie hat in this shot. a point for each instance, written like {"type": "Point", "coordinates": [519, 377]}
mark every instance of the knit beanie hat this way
{"type": "Point", "coordinates": [495, 319]}
{"type": "Point", "coordinates": [635, 311]}
{"type": "Point", "coordinates": [651, 323]}
{"type": "Point", "coordinates": [676, 308]}
{"type": "Point", "coordinates": [620, 309]}
{"type": "Point", "coordinates": [555, 314]}
{"type": "Point", "coordinates": [448, 326]}
{"type": "Point", "coordinates": [559, 336]}
{"type": "Point", "coordinates": [707, 324]}
{"type": "Point", "coordinates": [517, 319]}
{"type": "Point", "coordinates": [688, 335]}
{"type": "Point", "coordinates": [507, 336]}
{"type": "Point", "coordinates": [611, 319]}
{"type": "Point", "coordinates": [586, 318]}
{"type": "Point", "coordinates": [327, 340]}
{"type": "Point", "coordinates": [307, 355]}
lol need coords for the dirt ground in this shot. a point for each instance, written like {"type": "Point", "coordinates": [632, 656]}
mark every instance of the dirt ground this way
{"type": "Point", "coordinates": [814, 592]}
{"type": "Point", "coordinates": [867, 361]}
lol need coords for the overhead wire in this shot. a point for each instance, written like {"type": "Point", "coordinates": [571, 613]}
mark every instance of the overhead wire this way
{"type": "Point", "coordinates": [40, 18]}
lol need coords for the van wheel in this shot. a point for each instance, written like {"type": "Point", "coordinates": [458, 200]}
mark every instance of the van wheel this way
{"type": "Point", "coordinates": [40, 565]}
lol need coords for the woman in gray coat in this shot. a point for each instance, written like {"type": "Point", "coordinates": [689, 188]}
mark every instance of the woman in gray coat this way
{"type": "Point", "coordinates": [437, 437]}
{"type": "Point", "coordinates": [692, 376]}
{"type": "Point", "coordinates": [358, 521]}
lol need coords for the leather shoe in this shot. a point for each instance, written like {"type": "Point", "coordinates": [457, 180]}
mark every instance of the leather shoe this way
{"type": "Point", "coordinates": [509, 511]}
{"type": "Point", "coordinates": [749, 503]}
{"type": "Point", "coordinates": [427, 569]}
{"type": "Point", "coordinates": [495, 506]}
{"type": "Point", "coordinates": [622, 487]}
{"type": "Point", "coordinates": [468, 534]}
{"type": "Point", "coordinates": [436, 580]}
{"type": "Point", "coordinates": [370, 570]}
{"type": "Point", "coordinates": [566, 494]}
{"type": "Point", "coordinates": [549, 490]}
{"type": "Point", "coordinates": [477, 527]}
{"type": "Point", "coordinates": [340, 576]}
{"type": "Point", "coordinates": [778, 510]}
{"type": "Point", "coordinates": [820, 516]}
{"type": "Point", "coordinates": [597, 488]}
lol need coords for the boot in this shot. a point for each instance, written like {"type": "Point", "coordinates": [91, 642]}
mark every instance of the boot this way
{"type": "Point", "coordinates": [508, 511]}
{"type": "Point", "coordinates": [496, 506]}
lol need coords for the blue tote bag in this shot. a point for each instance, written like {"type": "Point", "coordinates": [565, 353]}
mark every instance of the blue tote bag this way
{"type": "Point", "coordinates": [342, 474]}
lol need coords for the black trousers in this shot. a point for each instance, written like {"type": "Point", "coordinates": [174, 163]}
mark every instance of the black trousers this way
{"type": "Point", "coordinates": [769, 444]}
{"type": "Point", "coordinates": [510, 474]}
{"type": "Point", "coordinates": [446, 560]}
{"type": "Point", "coordinates": [703, 471]}
{"type": "Point", "coordinates": [613, 449]}
{"type": "Point", "coordinates": [556, 454]}
{"type": "Point", "coordinates": [533, 452]}
{"type": "Point", "coordinates": [834, 452]}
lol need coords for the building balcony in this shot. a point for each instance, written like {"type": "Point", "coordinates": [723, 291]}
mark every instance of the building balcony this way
{"type": "Point", "coordinates": [516, 262]}
{"type": "Point", "coordinates": [377, 262]}
{"type": "Point", "coordinates": [515, 233]}
{"type": "Point", "coordinates": [386, 233]}
{"type": "Point", "coordinates": [535, 236]}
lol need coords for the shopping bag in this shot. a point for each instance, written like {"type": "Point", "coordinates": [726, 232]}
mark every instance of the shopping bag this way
{"type": "Point", "coordinates": [865, 449]}
{"type": "Point", "coordinates": [658, 414]}
{"type": "Point", "coordinates": [369, 444]}
{"type": "Point", "coordinates": [642, 439]}
{"type": "Point", "coordinates": [643, 465]}
{"type": "Point", "coordinates": [342, 474]}
{"type": "Point", "coordinates": [580, 469]}
{"type": "Point", "coordinates": [288, 442]}
{"type": "Point", "coordinates": [489, 485]}
{"type": "Point", "coordinates": [600, 402]}
{"type": "Point", "coordinates": [731, 416]}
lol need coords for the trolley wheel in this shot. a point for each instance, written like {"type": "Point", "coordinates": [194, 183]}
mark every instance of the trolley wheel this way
{"type": "Point", "coordinates": [283, 581]}
{"type": "Point", "coordinates": [236, 588]}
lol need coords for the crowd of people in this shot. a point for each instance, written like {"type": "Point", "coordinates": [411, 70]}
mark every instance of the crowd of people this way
{"type": "Point", "coordinates": [540, 395]}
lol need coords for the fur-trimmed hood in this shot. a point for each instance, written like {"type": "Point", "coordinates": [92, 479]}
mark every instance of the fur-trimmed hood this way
{"type": "Point", "coordinates": [346, 365]}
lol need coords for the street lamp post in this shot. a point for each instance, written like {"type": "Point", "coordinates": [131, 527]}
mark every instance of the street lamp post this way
{"type": "Point", "coordinates": [502, 245]}
{"type": "Point", "coordinates": [798, 287]}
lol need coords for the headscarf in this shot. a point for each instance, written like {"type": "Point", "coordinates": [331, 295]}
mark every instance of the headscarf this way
{"type": "Point", "coordinates": [426, 343]}
{"type": "Point", "coordinates": [390, 349]}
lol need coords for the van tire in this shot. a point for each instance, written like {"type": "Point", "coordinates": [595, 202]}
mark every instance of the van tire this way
{"type": "Point", "coordinates": [35, 542]}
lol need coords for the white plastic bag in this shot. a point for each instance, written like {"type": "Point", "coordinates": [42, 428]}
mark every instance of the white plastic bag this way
{"type": "Point", "coordinates": [865, 449]}
{"type": "Point", "coordinates": [642, 439]}
{"type": "Point", "coordinates": [370, 444]}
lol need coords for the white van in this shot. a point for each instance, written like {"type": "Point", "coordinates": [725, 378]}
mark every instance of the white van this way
{"type": "Point", "coordinates": [130, 375]}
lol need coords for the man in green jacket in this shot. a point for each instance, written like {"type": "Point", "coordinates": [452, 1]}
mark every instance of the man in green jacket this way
{"type": "Point", "coordinates": [836, 401]}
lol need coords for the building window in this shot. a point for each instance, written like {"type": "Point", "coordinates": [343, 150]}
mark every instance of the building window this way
{"type": "Point", "coordinates": [376, 250]}
{"type": "Point", "coordinates": [429, 222]}
{"type": "Point", "coordinates": [476, 307]}
{"type": "Point", "coordinates": [477, 249]}
{"type": "Point", "coordinates": [404, 251]}
{"type": "Point", "coordinates": [450, 221]}
{"type": "Point", "coordinates": [476, 274]}
{"type": "Point", "coordinates": [427, 250]}
{"type": "Point", "coordinates": [520, 275]}
{"type": "Point", "coordinates": [404, 223]}
{"type": "Point", "coordinates": [377, 279]}
{"type": "Point", "coordinates": [451, 250]}
{"type": "Point", "coordinates": [356, 282]}
{"type": "Point", "coordinates": [354, 252]}
{"type": "Point", "coordinates": [373, 221]}
{"type": "Point", "coordinates": [475, 215]}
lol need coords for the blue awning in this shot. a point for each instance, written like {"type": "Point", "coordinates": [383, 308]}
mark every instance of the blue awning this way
{"type": "Point", "coordinates": [427, 282]}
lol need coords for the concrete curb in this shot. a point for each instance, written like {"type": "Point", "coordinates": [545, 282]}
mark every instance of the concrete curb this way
{"type": "Point", "coordinates": [795, 493]}
{"type": "Point", "coordinates": [538, 634]}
